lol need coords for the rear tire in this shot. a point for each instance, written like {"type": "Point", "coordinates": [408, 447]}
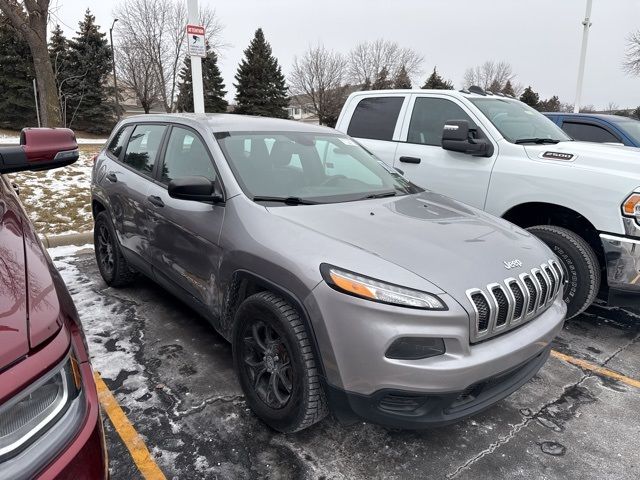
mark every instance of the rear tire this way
{"type": "Point", "coordinates": [580, 264]}
{"type": "Point", "coordinates": [113, 267]}
{"type": "Point", "coordinates": [275, 364]}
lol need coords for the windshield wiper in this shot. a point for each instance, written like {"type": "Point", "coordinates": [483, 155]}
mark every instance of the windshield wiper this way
{"type": "Point", "coordinates": [537, 140]}
{"type": "Point", "coordinates": [285, 200]}
{"type": "Point", "coordinates": [390, 193]}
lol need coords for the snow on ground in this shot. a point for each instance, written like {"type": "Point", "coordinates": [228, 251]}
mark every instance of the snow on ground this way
{"type": "Point", "coordinates": [59, 200]}
{"type": "Point", "coordinates": [100, 319]}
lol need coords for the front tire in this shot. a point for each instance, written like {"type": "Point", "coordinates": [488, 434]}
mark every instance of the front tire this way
{"type": "Point", "coordinates": [113, 267]}
{"type": "Point", "coordinates": [275, 364]}
{"type": "Point", "coordinates": [580, 264]}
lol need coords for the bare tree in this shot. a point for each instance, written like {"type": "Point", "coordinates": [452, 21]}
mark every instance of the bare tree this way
{"type": "Point", "coordinates": [30, 18]}
{"type": "Point", "coordinates": [368, 59]}
{"type": "Point", "coordinates": [156, 29]}
{"type": "Point", "coordinates": [490, 76]}
{"type": "Point", "coordinates": [138, 75]}
{"type": "Point", "coordinates": [319, 76]}
{"type": "Point", "coordinates": [631, 63]}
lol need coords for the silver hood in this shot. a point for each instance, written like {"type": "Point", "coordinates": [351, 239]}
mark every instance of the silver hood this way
{"type": "Point", "coordinates": [452, 245]}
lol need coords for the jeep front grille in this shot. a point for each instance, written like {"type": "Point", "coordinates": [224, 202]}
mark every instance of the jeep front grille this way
{"type": "Point", "coordinates": [502, 306]}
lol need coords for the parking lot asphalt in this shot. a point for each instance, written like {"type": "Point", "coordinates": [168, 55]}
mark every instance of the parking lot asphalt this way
{"type": "Point", "coordinates": [172, 375]}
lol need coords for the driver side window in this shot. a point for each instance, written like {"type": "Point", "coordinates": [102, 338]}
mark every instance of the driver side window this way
{"type": "Point", "coordinates": [428, 118]}
{"type": "Point", "coordinates": [186, 156]}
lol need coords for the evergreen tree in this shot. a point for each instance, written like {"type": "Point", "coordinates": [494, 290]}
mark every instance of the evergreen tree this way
{"type": "Point", "coordinates": [495, 86]}
{"type": "Point", "coordinates": [214, 91]}
{"type": "Point", "coordinates": [550, 105]}
{"type": "Point", "coordinates": [17, 103]}
{"type": "Point", "coordinates": [435, 81]}
{"type": "Point", "coordinates": [261, 88]}
{"type": "Point", "coordinates": [530, 97]}
{"type": "Point", "coordinates": [383, 82]}
{"type": "Point", "coordinates": [402, 79]}
{"type": "Point", "coordinates": [88, 99]}
{"type": "Point", "coordinates": [508, 89]}
{"type": "Point", "coordinates": [59, 54]}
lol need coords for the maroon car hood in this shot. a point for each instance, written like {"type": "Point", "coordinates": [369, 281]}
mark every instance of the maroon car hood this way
{"type": "Point", "coordinates": [14, 335]}
{"type": "Point", "coordinates": [30, 311]}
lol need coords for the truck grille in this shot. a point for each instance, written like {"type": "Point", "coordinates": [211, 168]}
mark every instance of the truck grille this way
{"type": "Point", "coordinates": [502, 306]}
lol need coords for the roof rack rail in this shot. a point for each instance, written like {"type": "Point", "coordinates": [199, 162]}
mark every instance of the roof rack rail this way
{"type": "Point", "coordinates": [464, 90]}
{"type": "Point", "coordinates": [477, 89]}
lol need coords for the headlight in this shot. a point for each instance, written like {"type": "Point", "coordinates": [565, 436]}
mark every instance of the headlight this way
{"type": "Point", "coordinates": [631, 206]}
{"type": "Point", "coordinates": [377, 291]}
{"type": "Point", "coordinates": [27, 415]}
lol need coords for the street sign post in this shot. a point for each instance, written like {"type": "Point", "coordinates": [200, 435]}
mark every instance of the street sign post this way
{"type": "Point", "coordinates": [195, 40]}
{"type": "Point", "coordinates": [197, 49]}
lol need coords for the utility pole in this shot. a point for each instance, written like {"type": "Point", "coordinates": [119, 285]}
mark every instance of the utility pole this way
{"type": "Point", "coordinates": [113, 64]}
{"type": "Point", "coordinates": [583, 55]}
{"type": "Point", "coordinates": [196, 62]}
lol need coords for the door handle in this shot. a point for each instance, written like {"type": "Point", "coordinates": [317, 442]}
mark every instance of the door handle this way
{"type": "Point", "coordinates": [155, 200]}
{"type": "Point", "coordinates": [112, 177]}
{"type": "Point", "coordinates": [410, 159]}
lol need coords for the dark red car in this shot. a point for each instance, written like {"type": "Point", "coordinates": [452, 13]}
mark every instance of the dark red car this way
{"type": "Point", "coordinates": [50, 424]}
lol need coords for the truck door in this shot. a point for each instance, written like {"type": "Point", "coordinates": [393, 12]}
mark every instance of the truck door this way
{"type": "Point", "coordinates": [421, 156]}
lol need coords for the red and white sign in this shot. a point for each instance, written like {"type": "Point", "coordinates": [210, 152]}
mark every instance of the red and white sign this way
{"type": "Point", "coordinates": [195, 41]}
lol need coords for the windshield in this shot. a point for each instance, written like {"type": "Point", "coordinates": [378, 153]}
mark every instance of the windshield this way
{"type": "Point", "coordinates": [518, 122]}
{"type": "Point", "coordinates": [631, 128]}
{"type": "Point", "coordinates": [308, 167]}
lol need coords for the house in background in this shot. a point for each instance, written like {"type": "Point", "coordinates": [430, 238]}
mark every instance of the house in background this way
{"type": "Point", "coordinates": [301, 108]}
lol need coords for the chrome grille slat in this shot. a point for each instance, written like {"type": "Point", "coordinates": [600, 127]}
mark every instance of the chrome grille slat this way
{"type": "Point", "coordinates": [500, 306]}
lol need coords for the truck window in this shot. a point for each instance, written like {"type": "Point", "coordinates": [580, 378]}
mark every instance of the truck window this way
{"type": "Point", "coordinates": [589, 133]}
{"type": "Point", "coordinates": [117, 144]}
{"type": "Point", "coordinates": [375, 118]}
{"type": "Point", "coordinates": [428, 119]}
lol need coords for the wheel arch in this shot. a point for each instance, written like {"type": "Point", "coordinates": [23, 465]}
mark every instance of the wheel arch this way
{"type": "Point", "coordinates": [245, 283]}
{"type": "Point", "coordinates": [530, 214]}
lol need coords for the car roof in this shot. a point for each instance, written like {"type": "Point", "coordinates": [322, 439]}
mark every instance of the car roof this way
{"type": "Point", "coordinates": [603, 116]}
{"type": "Point", "coordinates": [227, 122]}
{"type": "Point", "coordinates": [452, 93]}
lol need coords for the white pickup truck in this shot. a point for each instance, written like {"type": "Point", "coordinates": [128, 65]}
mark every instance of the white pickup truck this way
{"type": "Point", "coordinates": [499, 155]}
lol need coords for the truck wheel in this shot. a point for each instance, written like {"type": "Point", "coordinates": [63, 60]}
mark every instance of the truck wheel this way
{"type": "Point", "coordinates": [580, 264]}
{"type": "Point", "coordinates": [112, 265]}
{"type": "Point", "coordinates": [275, 364]}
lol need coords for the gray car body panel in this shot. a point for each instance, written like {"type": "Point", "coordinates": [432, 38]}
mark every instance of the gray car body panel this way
{"type": "Point", "coordinates": [424, 241]}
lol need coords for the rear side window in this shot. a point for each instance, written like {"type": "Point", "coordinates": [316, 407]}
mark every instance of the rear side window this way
{"type": "Point", "coordinates": [143, 147]}
{"type": "Point", "coordinates": [375, 118]}
{"type": "Point", "coordinates": [186, 156]}
{"type": "Point", "coordinates": [428, 119]}
{"type": "Point", "coordinates": [117, 143]}
{"type": "Point", "coordinates": [589, 133]}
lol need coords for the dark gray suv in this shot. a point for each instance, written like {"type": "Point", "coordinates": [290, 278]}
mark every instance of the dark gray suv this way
{"type": "Point", "coordinates": [341, 285]}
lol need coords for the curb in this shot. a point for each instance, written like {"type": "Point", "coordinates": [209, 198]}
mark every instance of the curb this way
{"type": "Point", "coordinates": [81, 238]}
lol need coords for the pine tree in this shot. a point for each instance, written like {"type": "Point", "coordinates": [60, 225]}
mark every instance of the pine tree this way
{"type": "Point", "coordinates": [214, 91]}
{"type": "Point", "coordinates": [383, 82]}
{"type": "Point", "coordinates": [88, 98]}
{"type": "Point", "coordinates": [495, 86]}
{"type": "Point", "coordinates": [402, 79]}
{"type": "Point", "coordinates": [550, 105]}
{"type": "Point", "coordinates": [17, 103]}
{"type": "Point", "coordinates": [261, 88]}
{"type": "Point", "coordinates": [508, 89]}
{"type": "Point", "coordinates": [435, 81]}
{"type": "Point", "coordinates": [530, 97]}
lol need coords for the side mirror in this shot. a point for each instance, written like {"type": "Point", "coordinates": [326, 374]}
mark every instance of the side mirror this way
{"type": "Point", "coordinates": [456, 138]}
{"type": "Point", "coordinates": [40, 149]}
{"type": "Point", "coordinates": [196, 188]}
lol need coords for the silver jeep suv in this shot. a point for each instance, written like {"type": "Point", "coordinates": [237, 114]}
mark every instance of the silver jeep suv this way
{"type": "Point", "coordinates": [342, 286]}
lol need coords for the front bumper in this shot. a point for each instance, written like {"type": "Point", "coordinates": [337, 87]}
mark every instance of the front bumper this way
{"type": "Point", "coordinates": [353, 335]}
{"type": "Point", "coordinates": [414, 410]}
{"type": "Point", "coordinates": [622, 258]}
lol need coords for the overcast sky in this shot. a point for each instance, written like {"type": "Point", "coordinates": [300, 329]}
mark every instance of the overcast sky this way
{"type": "Point", "coordinates": [540, 38]}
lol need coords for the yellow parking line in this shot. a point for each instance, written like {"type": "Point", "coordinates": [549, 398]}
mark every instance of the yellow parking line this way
{"type": "Point", "coordinates": [597, 369]}
{"type": "Point", "coordinates": [131, 438]}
